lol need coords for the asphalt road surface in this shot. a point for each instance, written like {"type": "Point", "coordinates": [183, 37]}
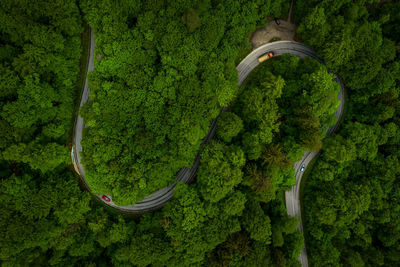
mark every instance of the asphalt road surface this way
{"type": "Point", "coordinates": [79, 126]}
{"type": "Point", "coordinates": [160, 197]}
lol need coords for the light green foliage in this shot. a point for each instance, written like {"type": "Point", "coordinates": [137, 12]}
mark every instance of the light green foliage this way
{"type": "Point", "coordinates": [221, 170]}
{"type": "Point", "coordinates": [166, 70]}
{"type": "Point", "coordinates": [257, 106]}
{"type": "Point", "coordinates": [40, 157]}
{"type": "Point", "coordinates": [190, 213]}
{"type": "Point", "coordinates": [229, 126]}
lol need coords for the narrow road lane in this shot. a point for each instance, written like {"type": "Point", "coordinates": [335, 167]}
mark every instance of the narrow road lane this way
{"type": "Point", "coordinates": [79, 126]}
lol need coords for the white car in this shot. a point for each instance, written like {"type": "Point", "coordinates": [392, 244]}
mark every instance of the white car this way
{"type": "Point", "coordinates": [303, 167]}
{"type": "Point", "coordinates": [72, 156]}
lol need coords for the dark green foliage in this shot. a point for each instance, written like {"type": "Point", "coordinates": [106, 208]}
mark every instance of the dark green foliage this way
{"type": "Point", "coordinates": [236, 246]}
{"type": "Point", "coordinates": [353, 190]}
{"type": "Point", "coordinates": [262, 181]}
{"type": "Point", "coordinates": [347, 38]}
{"type": "Point", "coordinates": [38, 156]}
{"type": "Point", "coordinates": [299, 106]}
{"type": "Point", "coordinates": [28, 202]}
{"type": "Point", "coordinates": [268, 236]}
{"type": "Point", "coordinates": [191, 19]}
{"type": "Point", "coordinates": [146, 244]}
{"type": "Point", "coordinates": [256, 223]}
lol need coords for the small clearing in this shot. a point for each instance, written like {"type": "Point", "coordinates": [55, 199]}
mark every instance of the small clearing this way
{"type": "Point", "coordinates": [286, 31]}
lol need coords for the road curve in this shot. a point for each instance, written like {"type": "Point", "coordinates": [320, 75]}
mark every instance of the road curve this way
{"type": "Point", "coordinates": [160, 197]}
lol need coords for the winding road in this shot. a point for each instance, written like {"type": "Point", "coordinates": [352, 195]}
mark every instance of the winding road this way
{"type": "Point", "coordinates": [160, 197]}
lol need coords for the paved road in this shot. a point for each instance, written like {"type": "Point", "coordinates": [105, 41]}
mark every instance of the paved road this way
{"type": "Point", "coordinates": [79, 126]}
{"type": "Point", "coordinates": [159, 198]}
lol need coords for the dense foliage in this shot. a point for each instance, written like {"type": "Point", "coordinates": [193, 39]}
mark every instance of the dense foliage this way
{"type": "Point", "coordinates": [47, 220]}
{"type": "Point", "coordinates": [231, 215]}
{"type": "Point", "coordinates": [286, 107]}
{"type": "Point", "coordinates": [218, 220]}
{"type": "Point", "coordinates": [42, 206]}
{"type": "Point", "coordinates": [352, 196]}
{"type": "Point", "coordinates": [39, 63]}
{"type": "Point", "coordinates": [150, 60]}
{"type": "Point", "coordinates": [163, 71]}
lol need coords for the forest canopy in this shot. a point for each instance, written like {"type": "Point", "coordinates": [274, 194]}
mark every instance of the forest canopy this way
{"type": "Point", "coordinates": [153, 56]}
{"type": "Point", "coordinates": [42, 206]}
{"type": "Point", "coordinates": [163, 71]}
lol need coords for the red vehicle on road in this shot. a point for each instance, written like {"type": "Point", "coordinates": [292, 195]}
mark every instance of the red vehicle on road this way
{"type": "Point", "coordinates": [266, 56]}
{"type": "Point", "coordinates": [105, 198]}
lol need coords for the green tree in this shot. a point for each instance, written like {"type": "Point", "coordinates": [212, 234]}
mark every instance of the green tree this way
{"type": "Point", "coordinates": [220, 170]}
{"type": "Point", "coordinates": [229, 126]}
{"type": "Point", "coordinates": [191, 19]}
{"type": "Point", "coordinates": [274, 156]}
{"type": "Point", "coordinates": [339, 149]}
{"type": "Point", "coordinates": [256, 223]}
